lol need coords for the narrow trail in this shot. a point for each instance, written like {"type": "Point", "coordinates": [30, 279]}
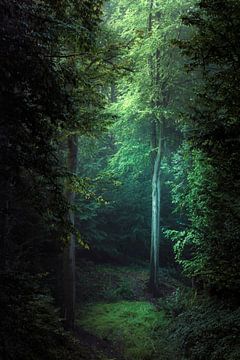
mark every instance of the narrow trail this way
{"type": "Point", "coordinates": [101, 348]}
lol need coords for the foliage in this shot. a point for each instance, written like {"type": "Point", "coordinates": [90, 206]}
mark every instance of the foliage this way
{"type": "Point", "coordinates": [211, 156]}
{"type": "Point", "coordinates": [40, 106]}
{"type": "Point", "coordinates": [207, 330]}
{"type": "Point", "coordinates": [181, 300]}
{"type": "Point", "coordinates": [119, 164]}
{"type": "Point", "coordinates": [63, 75]}
{"type": "Point", "coordinates": [193, 181]}
{"type": "Point", "coordinates": [32, 109]}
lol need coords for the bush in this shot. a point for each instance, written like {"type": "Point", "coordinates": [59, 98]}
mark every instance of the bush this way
{"type": "Point", "coordinates": [178, 302]}
{"type": "Point", "coordinates": [206, 330]}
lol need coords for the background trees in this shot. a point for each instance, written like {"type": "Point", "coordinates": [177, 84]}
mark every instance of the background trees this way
{"type": "Point", "coordinates": [151, 95]}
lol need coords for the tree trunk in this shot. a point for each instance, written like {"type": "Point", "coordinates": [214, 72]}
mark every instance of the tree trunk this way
{"type": "Point", "coordinates": [69, 250]}
{"type": "Point", "coordinates": [155, 226]}
{"type": "Point", "coordinates": [156, 140]}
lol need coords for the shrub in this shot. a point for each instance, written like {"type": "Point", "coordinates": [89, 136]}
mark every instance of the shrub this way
{"type": "Point", "coordinates": [207, 331]}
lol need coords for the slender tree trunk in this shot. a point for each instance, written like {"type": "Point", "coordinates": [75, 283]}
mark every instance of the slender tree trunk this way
{"type": "Point", "coordinates": [69, 250]}
{"type": "Point", "coordinates": [155, 158]}
{"type": "Point", "coordinates": [157, 142]}
{"type": "Point", "coordinates": [155, 226]}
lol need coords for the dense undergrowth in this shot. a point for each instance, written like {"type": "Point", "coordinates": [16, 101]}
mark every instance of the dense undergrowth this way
{"type": "Point", "coordinates": [202, 328]}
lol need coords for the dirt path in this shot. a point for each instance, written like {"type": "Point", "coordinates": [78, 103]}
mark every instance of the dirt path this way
{"type": "Point", "coordinates": [102, 348]}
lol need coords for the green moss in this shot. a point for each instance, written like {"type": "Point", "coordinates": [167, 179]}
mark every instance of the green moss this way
{"type": "Point", "coordinates": [130, 325]}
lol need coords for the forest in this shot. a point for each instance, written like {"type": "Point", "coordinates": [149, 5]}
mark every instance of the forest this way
{"type": "Point", "coordinates": [120, 180]}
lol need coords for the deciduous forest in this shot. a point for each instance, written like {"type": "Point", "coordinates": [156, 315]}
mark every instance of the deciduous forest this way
{"type": "Point", "coordinates": [120, 180]}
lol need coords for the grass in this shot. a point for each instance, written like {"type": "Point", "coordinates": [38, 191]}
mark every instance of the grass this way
{"type": "Point", "coordinates": [130, 325]}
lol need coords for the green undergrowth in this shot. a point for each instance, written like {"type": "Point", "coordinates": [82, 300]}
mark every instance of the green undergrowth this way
{"type": "Point", "coordinates": [201, 327]}
{"type": "Point", "coordinates": [131, 326]}
{"type": "Point", "coordinates": [207, 330]}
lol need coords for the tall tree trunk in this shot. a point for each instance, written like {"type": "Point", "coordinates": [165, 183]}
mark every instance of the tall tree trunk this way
{"type": "Point", "coordinates": [69, 250]}
{"type": "Point", "coordinates": [157, 142]}
{"type": "Point", "coordinates": [155, 226]}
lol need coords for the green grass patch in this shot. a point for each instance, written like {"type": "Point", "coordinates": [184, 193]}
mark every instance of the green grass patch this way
{"type": "Point", "coordinates": [130, 325]}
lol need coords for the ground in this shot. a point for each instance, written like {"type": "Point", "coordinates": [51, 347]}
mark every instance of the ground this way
{"type": "Point", "coordinates": [117, 317]}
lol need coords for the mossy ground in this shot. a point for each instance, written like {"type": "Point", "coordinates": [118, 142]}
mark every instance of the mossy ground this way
{"type": "Point", "coordinates": [115, 307]}
{"type": "Point", "coordinates": [129, 325]}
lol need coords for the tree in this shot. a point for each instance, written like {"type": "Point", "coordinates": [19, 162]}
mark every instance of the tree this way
{"type": "Point", "coordinates": [152, 102]}
{"type": "Point", "coordinates": [35, 108]}
{"type": "Point", "coordinates": [40, 106]}
{"type": "Point", "coordinates": [157, 147]}
{"type": "Point", "coordinates": [212, 142]}
{"type": "Point", "coordinates": [92, 63]}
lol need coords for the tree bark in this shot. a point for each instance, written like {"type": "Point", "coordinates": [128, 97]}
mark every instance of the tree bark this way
{"type": "Point", "coordinates": [157, 146]}
{"type": "Point", "coordinates": [69, 250]}
{"type": "Point", "coordinates": [155, 226]}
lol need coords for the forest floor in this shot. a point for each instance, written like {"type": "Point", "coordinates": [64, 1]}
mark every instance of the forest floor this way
{"type": "Point", "coordinates": [117, 318]}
